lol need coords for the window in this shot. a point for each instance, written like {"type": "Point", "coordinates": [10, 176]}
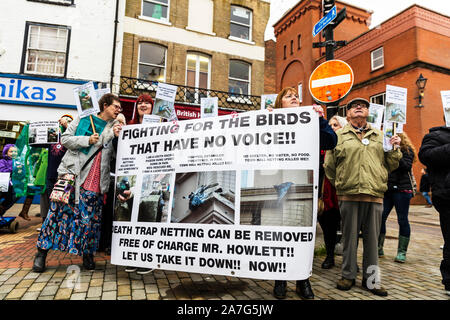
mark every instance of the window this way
{"type": "Point", "coordinates": [197, 75]}
{"type": "Point", "coordinates": [239, 77]}
{"type": "Point", "coordinates": [46, 49]}
{"type": "Point", "coordinates": [61, 2]}
{"type": "Point", "coordinates": [241, 23]}
{"type": "Point", "coordinates": [200, 18]}
{"type": "Point", "coordinates": [299, 42]}
{"type": "Point", "coordinates": [156, 9]}
{"type": "Point", "coordinates": [284, 52]}
{"type": "Point", "coordinates": [152, 62]}
{"type": "Point", "coordinates": [378, 98]}
{"type": "Point", "coordinates": [292, 47]}
{"type": "Point", "coordinates": [377, 58]}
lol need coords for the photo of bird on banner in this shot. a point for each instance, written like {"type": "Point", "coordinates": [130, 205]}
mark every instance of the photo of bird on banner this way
{"type": "Point", "coordinates": [209, 109]}
{"type": "Point", "coordinates": [199, 196]}
{"type": "Point", "coordinates": [85, 99]}
{"type": "Point", "coordinates": [122, 186]}
{"type": "Point", "coordinates": [282, 190]}
{"type": "Point", "coordinates": [395, 113]}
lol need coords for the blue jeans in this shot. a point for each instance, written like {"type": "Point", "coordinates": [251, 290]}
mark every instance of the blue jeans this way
{"type": "Point", "coordinates": [401, 202]}
{"type": "Point", "coordinates": [427, 197]}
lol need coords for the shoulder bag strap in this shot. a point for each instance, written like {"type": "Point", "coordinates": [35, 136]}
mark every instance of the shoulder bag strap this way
{"type": "Point", "coordinates": [91, 157]}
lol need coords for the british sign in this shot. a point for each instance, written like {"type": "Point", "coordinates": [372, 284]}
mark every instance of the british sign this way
{"type": "Point", "coordinates": [331, 81]}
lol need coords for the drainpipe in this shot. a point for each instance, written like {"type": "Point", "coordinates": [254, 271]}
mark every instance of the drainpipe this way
{"type": "Point", "coordinates": [116, 22]}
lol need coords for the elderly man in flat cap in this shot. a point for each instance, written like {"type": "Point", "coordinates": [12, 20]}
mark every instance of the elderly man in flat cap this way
{"type": "Point", "coordinates": [358, 168]}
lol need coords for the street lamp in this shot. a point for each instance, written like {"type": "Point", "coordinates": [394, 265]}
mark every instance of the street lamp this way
{"type": "Point", "coordinates": [421, 82]}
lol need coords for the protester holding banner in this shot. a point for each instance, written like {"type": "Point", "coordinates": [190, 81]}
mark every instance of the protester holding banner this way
{"type": "Point", "coordinates": [358, 168]}
{"type": "Point", "coordinates": [330, 218]}
{"type": "Point", "coordinates": [55, 154]}
{"type": "Point", "coordinates": [435, 154]}
{"type": "Point", "coordinates": [399, 194]}
{"type": "Point", "coordinates": [288, 98]}
{"type": "Point", "coordinates": [144, 105]}
{"type": "Point", "coordinates": [74, 227]}
{"type": "Point", "coordinates": [8, 198]}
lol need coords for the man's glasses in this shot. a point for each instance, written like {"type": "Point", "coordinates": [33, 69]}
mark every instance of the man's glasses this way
{"type": "Point", "coordinates": [355, 105]}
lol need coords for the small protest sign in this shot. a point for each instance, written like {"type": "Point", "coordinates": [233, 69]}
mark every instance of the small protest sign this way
{"type": "Point", "coordinates": [375, 117]}
{"type": "Point", "coordinates": [4, 181]}
{"type": "Point", "coordinates": [151, 118]}
{"type": "Point", "coordinates": [164, 101]}
{"type": "Point", "coordinates": [43, 132]}
{"type": "Point", "coordinates": [268, 100]}
{"type": "Point", "coordinates": [395, 104]}
{"type": "Point", "coordinates": [101, 92]}
{"type": "Point", "coordinates": [86, 100]}
{"type": "Point", "coordinates": [209, 107]}
{"type": "Point", "coordinates": [445, 95]}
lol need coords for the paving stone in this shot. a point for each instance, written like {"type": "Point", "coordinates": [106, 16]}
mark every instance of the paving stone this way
{"type": "Point", "coordinates": [16, 293]}
{"type": "Point", "coordinates": [124, 298]}
{"type": "Point", "coordinates": [63, 294]}
{"type": "Point", "coordinates": [49, 291]}
{"type": "Point", "coordinates": [123, 290]}
{"type": "Point", "coordinates": [78, 296]}
{"type": "Point", "coordinates": [109, 286]}
{"type": "Point", "coordinates": [109, 295]}
{"type": "Point", "coordinates": [94, 292]}
{"type": "Point", "coordinates": [30, 295]}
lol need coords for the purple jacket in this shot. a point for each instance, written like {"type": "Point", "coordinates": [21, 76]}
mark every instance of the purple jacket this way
{"type": "Point", "coordinates": [6, 163]}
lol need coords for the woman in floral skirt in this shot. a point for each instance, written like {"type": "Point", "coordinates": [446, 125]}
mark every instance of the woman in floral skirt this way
{"type": "Point", "coordinates": [75, 227]}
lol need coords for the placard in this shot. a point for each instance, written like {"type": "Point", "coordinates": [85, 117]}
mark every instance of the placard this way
{"type": "Point", "coordinates": [268, 100]}
{"type": "Point", "coordinates": [395, 104]}
{"type": "Point", "coordinates": [375, 117]}
{"type": "Point", "coordinates": [209, 107]}
{"type": "Point", "coordinates": [43, 132]}
{"type": "Point", "coordinates": [4, 181]}
{"type": "Point", "coordinates": [445, 95]}
{"type": "Point", "coordinates": [234, 195]}
{"type": "Point", "coordinates": [86, 100]}
{"type": "Point", "coordinates": [164, 101]}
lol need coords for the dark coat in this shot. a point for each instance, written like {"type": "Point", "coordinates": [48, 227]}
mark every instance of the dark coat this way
{"type": "Point", "coordinates": [435, 155]}
{"type": "Point", "coordinates": [399, 178]}
{"type": "Point", "coordinates": [425, 183]}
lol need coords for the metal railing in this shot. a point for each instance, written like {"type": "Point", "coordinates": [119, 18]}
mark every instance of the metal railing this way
{"type": "Point", "coordinates": [132, 87]}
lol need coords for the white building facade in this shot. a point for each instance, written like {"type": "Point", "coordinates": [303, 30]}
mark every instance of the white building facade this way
{"type": "Point", "coordinates": [48, 47]}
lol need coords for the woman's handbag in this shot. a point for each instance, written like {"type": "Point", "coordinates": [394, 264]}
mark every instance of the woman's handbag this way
{"type": "Point", "coordinates": [62, 189]}
{"type": "Point", "coordinates": [413, 183]}
{"type": "Point", "coordinates": [320, 203]}
{"type": "Point", "coordinates": [66, 183]}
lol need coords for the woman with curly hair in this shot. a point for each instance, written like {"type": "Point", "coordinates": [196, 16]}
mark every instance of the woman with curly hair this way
{"type": "Point", "coordinates": [399, 193]}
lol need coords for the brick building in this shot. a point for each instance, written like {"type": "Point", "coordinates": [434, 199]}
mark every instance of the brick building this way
{"type": "Point", "coordinates": [199, 45]}
{"type": "Point", "coordinates": [415, 41]}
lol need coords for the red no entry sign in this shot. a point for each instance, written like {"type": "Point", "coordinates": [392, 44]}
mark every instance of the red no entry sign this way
{"type": "Point", "coordinates": [331, 81]}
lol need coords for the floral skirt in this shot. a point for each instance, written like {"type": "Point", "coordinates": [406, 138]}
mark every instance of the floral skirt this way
{"type": "Point", "coordinates": [71, 228]}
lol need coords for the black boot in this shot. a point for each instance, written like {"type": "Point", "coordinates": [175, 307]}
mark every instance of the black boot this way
{"type": "Point", "coordinates": [279, 290]}
{"type": "Point", "coordinates": [304, 289]}
{"type": "Point", "coordinates": [88, 261]}
{"type": "Point", "coordinates": [328, 263]}
{"type": "Point", "coordinates": [39, 260]}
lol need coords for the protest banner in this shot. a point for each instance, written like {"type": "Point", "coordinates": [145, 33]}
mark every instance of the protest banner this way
{"type": "Point", "coordinates": [389, 130]}
{"type": "Point", "coordinates": [445, 95]}
{"type": "Point", "coordinates": [209, 107]}
{"type": "Point", "coordinates": [375, 117]}
{"type": "Point", "coordinates": [164, 101]}
{"type": "Point", "coordinates": [43, 132]}
{"type": "Point", "coordinates": [234, 195]}
{"type": "Point", "coordinates": [268, 100]}
{"type": "Point", "coordinates": [395, 104]}
{"type": "Point", "coordinates": [4, 181]}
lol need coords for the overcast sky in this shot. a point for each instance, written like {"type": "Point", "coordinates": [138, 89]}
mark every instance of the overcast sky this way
{"type": "Point", "coordinates": [382, 9]}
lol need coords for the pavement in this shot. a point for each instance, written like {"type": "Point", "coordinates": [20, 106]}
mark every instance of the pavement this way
{"type": "Point", "coordinates": [417, 279]}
